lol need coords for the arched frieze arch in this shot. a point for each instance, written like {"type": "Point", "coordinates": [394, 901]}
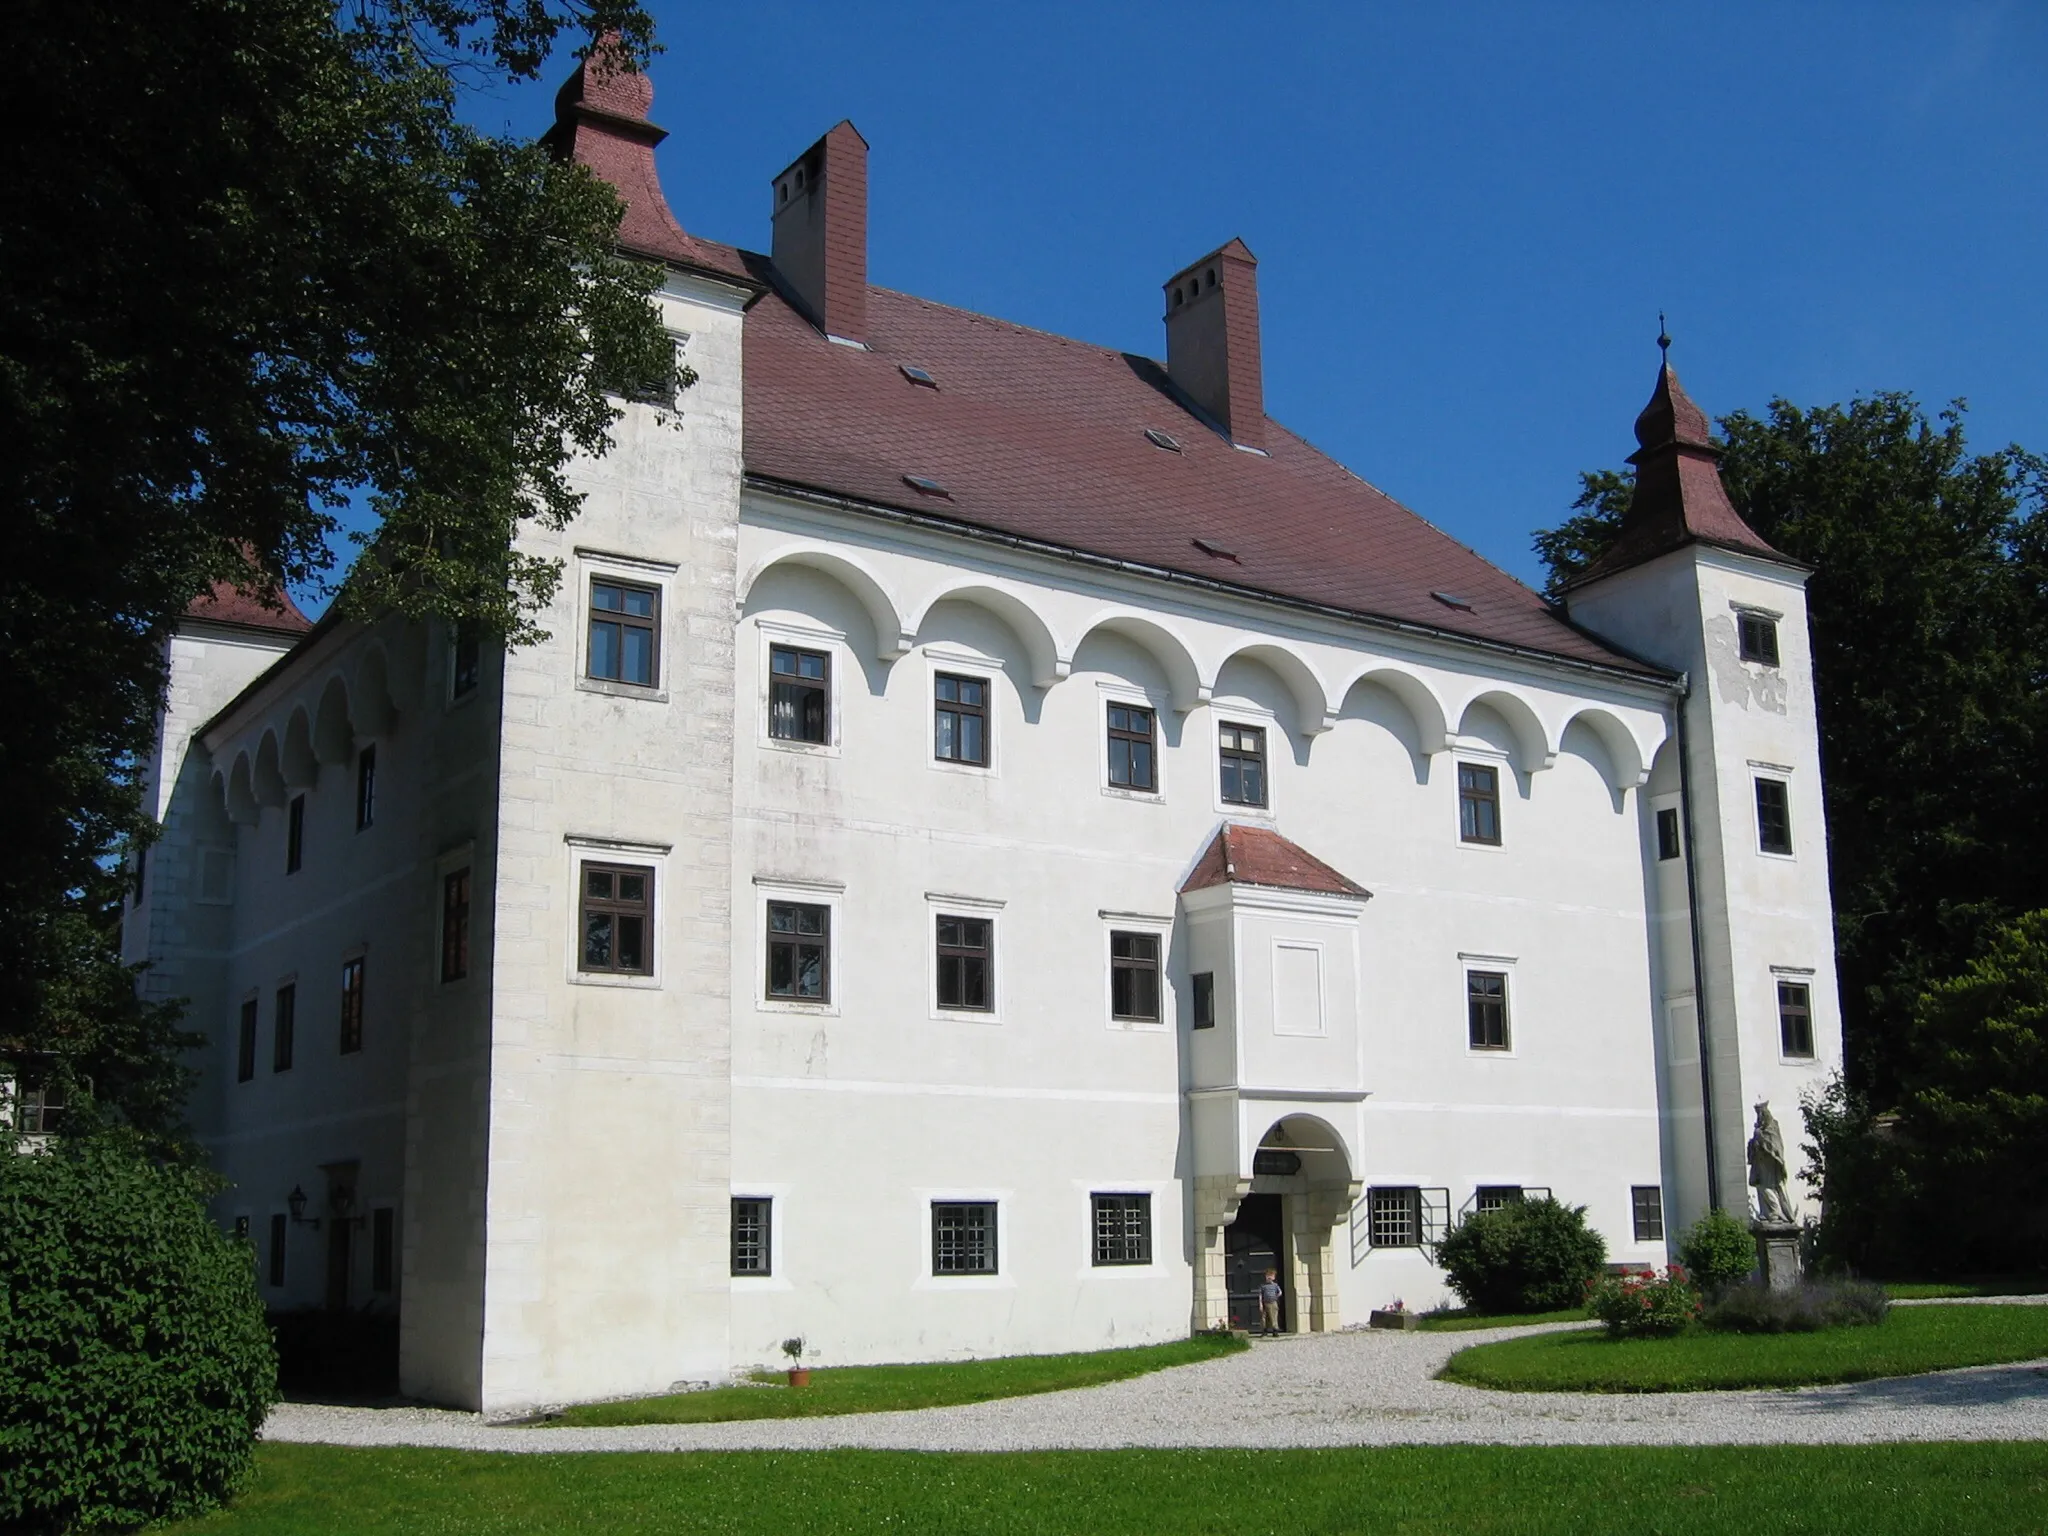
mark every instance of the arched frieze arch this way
{"type": "Point", "coordinates": [1312, 703]}
{"type": "Point", "coordinates": [371, 709]}
{"type": "Point", "coordinates": [238, 792]}
{"type": "Point", "coordinates": [1630, 755]}
{"type": "Point", "coordinates": [1535, 746]}
{"type": "Point", "coordinates": [1050, 662]}
{"type": "Point", "coordinates": [266, 774]}
{"type": "Point", "coordinates": [1176, 658]}
{"type": "Point", "coordinates": [1412, 690]}
{"type": "Point", "coordinates": [333, 734]}
{"type": "Point", "coordinates": [300, 767]}
{"type": "Point", "coordinates": [894, 635]}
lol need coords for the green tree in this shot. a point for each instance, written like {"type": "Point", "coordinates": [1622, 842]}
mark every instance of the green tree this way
{"type": "Point", "coordinates": [1929, 612]}
{"type": "Point", "coordinates": [252, 267]}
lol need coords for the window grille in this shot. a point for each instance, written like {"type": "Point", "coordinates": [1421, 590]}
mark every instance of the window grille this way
{"type": "Point", "coordinates": [1243, 752]}
{"type": "Point", "coordinates": [1478, 803]}
{"type": "Point", "coordinates": [624, 623]}
{"type": "Point", "coordinates": [799, 951]}
{"type": "Point", "coordinates": [798, 694]}
{"type": "Point", "coordinates": [964, 1237]}
{"type": "Point", "coordinates": [1496, 1197]}
{"type": "Point", "coordinates": [455, 926]}
{"type": "Point", "coordinates": [960, 720]}
{"type": "Point", "coordinates": [1131, 754]}
{"type": "Point", "coordinates": [618, 920]}
{"type": "Point", "coordinates": [1123, 1229]}
{"type": "Point", "coordinates": [751, 1236]}
{"type": "Point", "coordinates": [1647, 1201]}
{"type": "Point", "coordinates": [1134, 976]}
{"type": "Point", "coordinates": [1399, 1216]}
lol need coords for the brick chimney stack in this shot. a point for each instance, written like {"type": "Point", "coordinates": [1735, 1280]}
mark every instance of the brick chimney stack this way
{"type": "Point", "coordinates": [1212, 341]}
{"type": "Point", "coordinates": [821, 232]}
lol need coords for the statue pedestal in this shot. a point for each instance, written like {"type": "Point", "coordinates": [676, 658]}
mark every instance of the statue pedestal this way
{"type": "Point", "coordinates": [1777, 1254]}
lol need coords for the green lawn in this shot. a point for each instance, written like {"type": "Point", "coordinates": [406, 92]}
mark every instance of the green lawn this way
{"type": "Point", "coordinates": [1990, 1285]}
{"type": "Point", "coordinates": [1873, 1490]}
{"type": "Point", "coordinates": [885, 1388]}
{"type": "Point", "coordinates": [1462, 1321]}
{"type": "Point", "coordinates": [1909, 1341]}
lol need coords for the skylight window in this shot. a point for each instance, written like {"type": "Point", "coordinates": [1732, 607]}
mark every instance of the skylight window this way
{"type": "Point", "coordinates": [918, 375]}
{"type": "Point", "coordinates": [1452, 600]}
{"type": "Point", "coordinates": [927, 485]}
{"type": "Point", "coordinates": [1211, 547]}
{"type": "Point", "coordinates": [1160, 439]}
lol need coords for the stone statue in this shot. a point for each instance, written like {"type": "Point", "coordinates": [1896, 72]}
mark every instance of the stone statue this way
{"type": "Point", "coordinates": [1767, 1171]}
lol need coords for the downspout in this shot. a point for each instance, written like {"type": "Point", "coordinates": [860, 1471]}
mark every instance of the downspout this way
{"type": "Point", "coordinates": [1699, 964]}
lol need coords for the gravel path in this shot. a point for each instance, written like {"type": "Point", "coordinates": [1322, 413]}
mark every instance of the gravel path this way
{"type": "Point", "coordinates": [1365, 1388]}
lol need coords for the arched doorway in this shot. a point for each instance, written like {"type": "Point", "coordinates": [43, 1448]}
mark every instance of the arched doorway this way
{"type": "Point", "coordinates": [1300, 1187]}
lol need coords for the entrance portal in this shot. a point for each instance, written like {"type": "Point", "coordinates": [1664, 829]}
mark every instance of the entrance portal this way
{"type": "Point", "coordinates": [1251, 1246]}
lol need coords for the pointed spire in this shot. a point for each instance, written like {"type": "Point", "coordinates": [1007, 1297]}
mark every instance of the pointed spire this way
{"type": "Point", "coordinates": [1679, 498]}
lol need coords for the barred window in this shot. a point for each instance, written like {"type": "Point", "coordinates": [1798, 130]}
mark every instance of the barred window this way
{"type": "Point", "coordinates": [1394, 1216]}
{"type": "Point", "coordinates": [799, 951]}
{"type": "Point", "coordinates": [1486, 1010]}
{"type": "Point", "coordinates": [455, 925]}
{"type": "Point", "coordinates": [283, 1027]}
{"type": "Point", "coordinates": [1648, 1203]}
{"type": "Point", "coordinates": [1495, 1197]}
{"type": "Point", "coordinates": [1795, 1019]}
{"type": "Point", "coordinates": [1478, 803]}
{"type": "Point", "coordinates": [618, 920]}
{"type": "Point", "coordinates": [352, 1006]}
{"type": "Point", "coordinates": [751, 1235]}
{"type": "Point", "coordinates": [1134, 976]}
{"type": "Point", "coordinates": [964, 1237]}
{"type": "Point", "coordinates": [1123, 1229]}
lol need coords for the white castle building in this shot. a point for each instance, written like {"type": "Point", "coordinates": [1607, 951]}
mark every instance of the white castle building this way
{"type": "Point", "coordinates": [1003, 842]}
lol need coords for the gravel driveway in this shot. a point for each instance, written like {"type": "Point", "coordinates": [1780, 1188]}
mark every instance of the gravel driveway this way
{"type": "Point", "coordinates": [1312, 1390]}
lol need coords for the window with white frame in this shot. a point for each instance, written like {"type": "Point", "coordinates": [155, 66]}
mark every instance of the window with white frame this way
{"type": "Point", "coordinates": [1134, 976]}
{"type": "Point", "coordinates": [1133, 747]}
{"type": "Point", "coordinates": [799, 694]}
{"type": "Point", "coordinates": [799, 952]}
{"type": "Point", "coordinates": [624, 638]}
{"type": "Point", "coordinates": [1647, 1204]}
{"type": "Point", "coordinates": [1486, 1010]}
{"type": "Point", "coordinates": [964, 1237]}
{"type": "Point", "coordinates": [1123, 1229]}
{"type": "Point", "coordinates": [1241, 764]}
{"type": "Point", "coordinates": [1773, 815]}
{"type": "Point", "coordinates": [1795, 1020]}
{"type": "Point", "coordinates": [1394, 1216]}
{"type": "Point", "coordinates": [752, 1236]}
{"type": "Point", "coordinates": [1756, 637]}
{"type": "Point", "coordinates": [616, 924]}
{"type": "Point", "coordinates": [965, 958]}
{"type": "Point", "coordinates": [960, 719]}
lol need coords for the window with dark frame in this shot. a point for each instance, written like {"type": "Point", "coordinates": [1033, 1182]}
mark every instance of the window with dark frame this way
{"type": "Point", "coordinates": [1668, 844]}
{"type": "Point", "coordinates": [283, 1026]}
{"type": "Point", "coordinates": [617, 920]}
{"type": "Point", "coordinates": [1123, 1229]}
{"type": "Point", "coordinates": [1486, 1010]}
{"type": "Point", "coordinates": [1795, 1019]}
{"type": "Point", "coordinates": [278, 1231]}
{"type": "Point", "coordinates": [963, 1237]}
{"type": "Point", "coordinates": [799, 952]}
{"type": "Point", "coordinates": [964, 962]}
{"type": "Point", "coordinates": [465, 661]}
{"type": "Point", "coordinates": [1773, 816]}
{"type": "Point", "coordinates": [383, 1248]}
{"type": "Point", "coordinates": [1242, 754]}
{"type": "Point", "coordinates": [625, 624]}
{"type": "Point", "coordinates": [242, 1229]}
{"type": "Point", "coordinates": [141, 873]}
{"type": "Point", "coordinates": [1496, 1197]}
{"type": "Point", "coordinates": [245, 1043]}
{"type": "Point", "coordinates": [1203, 984]}
{"type": "Point", "coordinates": [1756, 638]}
{"type": "Point", "coordinates": [752, 1234]}
{"type": "Point", "coordinates": [455, 925]}
{"type": "Point", "coordinates": [1132, 752]}
{"type": "Point", "coordinates": [960, 719]}
{"type": "Point", "coordinates": [366, 788]}
{"type": "Point", "coordinates": [295, 835]}
{"type": "Point", "coordinates": [1647, 1204]}
{"type": "Point", "coordinates": [352, 1006]}
{"type": "Point", "coordinates": [799, 694]}
{"type": "Point", "coordinates": [1478, 803]}
{"type": "Point", "coordinates": [1134, 976]}
{"type": "Point", "coordinates": [1394, 1216]}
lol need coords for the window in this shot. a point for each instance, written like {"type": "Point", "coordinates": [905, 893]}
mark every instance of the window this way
{"type": "Point", "coordinates": [1394, 1216]}
{"type": "Point", "coordinates": [964, 1237]}
{"type": "Point", "coordinates": [282, 1026]}
{"type": "Point", "coordinates": [798, 683]}
{"type": "Point", "coordinates": [278, 1229]}
{"type": "Point", "coordinates": [383, 1247]}
{"type": "Point", "coordinates": [1134, 976]}
{"type": "Point", "coordinates": [1756, 638]}
{"type": "Point", "coordinates": [1496, 1197]}
{"type": "Point", "coordinates": [1123, 1229]}
{"type": "Point", "coordinates": [655, 387]}
{"type": "Point", "coordinates": [35, 1110]}
{"type": "Point", "coordinates": [799, 951]}
{"type": "Point", "coordinates": [352, 1006]}
{"type": "Point", "coordinates": [1243, 753]}
{"type": "Point", "coordinates": [245, 1045]}
{"type": "Point", "coordinates": [618, 908]}
{"type": "Point", "coordinates": [141, 873]}
{"type": "Point", "coordinates": [366, 787]}
{"type": "Point", "coordinates": [751, 1235]}
{"type": "Point", "coordinates": [1795, 1019]}
{"type": "Point", "coordinates": [465, 661]}
{"type": "Point", "coordinates": [1647, 1200]}
{"type": "Point", "coordinates": [1478, 804]}
{"type": "Point", "coordinates": [1773, 816]}
{"type": "Point", "coordinates": [1131, 752]}
{"type": "Point", "coordinates": [960, 719]}
{"type": "Point", "coordinates": [295, 835]}
{"type": "Point", "coordinates": [1204, 983]}
{"type": "Point", "coordinates": [455, 925]}
{"type": "Point", "coordinates": [1667, 834]}
{"type": "Point", "coordinates": [241, 1229]}
{"type": "Point", "coordinates": [623, 624]}
{"type": "Point", "coordinates": [1486, 1010]}
{"type": "Point", "coordinates": [964, 956]}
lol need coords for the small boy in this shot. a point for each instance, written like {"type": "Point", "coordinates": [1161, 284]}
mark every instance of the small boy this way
{"type": "Point", "coordinates": [1269, 1303]}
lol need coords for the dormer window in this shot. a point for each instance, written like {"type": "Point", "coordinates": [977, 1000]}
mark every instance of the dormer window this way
{"type": "Point", "coordinates": [1756, 638]}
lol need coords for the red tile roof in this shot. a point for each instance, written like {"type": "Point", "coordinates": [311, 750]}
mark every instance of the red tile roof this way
{"type": "Point", "coordinates": [230, 604]}
{"type": "Point", "coordinates": [1242, 855]}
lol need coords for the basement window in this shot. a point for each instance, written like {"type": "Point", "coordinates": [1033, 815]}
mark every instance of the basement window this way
{"type": "Point", "coordinates": [927, 485]}
{"type": "Point", "coordinates": [1159, 439]}
{"type": "Point", "coordinates": [918, 375]}
{"type": "Point", "coordinates": [1452, 600]}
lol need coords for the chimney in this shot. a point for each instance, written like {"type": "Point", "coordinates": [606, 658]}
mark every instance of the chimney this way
{"type": "Point", "coordinates": [821, 232]}
{"type": "Point", "coordinates": [1212, 341]}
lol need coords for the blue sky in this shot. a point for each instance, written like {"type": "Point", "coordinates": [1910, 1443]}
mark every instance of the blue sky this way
{"type": "Point", "coordinates": [1467, 217]}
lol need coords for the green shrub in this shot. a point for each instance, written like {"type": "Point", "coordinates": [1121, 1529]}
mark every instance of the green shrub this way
{"type": "Point", "coordinates": [1801, 1309]}
{"type": "Point", "coordinates": [1717, 1251]}
{"type": "Point", "coordinates": [1644, 1306]}
{"type": "Point", "coordinates": [1527, 1256]}
{"type": "Point", "coordinates": [135, 1367]}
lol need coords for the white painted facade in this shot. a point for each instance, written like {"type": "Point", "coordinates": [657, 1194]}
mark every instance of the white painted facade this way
{"type": "Point", "coordinates": [561, 1149]}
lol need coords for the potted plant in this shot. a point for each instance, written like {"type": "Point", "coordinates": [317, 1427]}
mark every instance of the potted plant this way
{"type": "Point", "coordinates": [799, 1373]}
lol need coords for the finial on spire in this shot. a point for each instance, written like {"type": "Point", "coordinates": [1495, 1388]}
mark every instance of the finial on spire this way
{"type": "Point", "coordinates": [1663, 338]}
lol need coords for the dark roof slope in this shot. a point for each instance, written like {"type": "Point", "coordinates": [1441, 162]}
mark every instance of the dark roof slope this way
{"type": "Point", "coordinates": [1242, 855]}
{"type": "Point", "coordinates": [1039, 436]}
{"type": "Point", "coordinates": [230, 604]}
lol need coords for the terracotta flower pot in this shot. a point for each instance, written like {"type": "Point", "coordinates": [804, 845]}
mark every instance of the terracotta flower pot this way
{"type": "Point", "coordinates": [799, 1375]}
